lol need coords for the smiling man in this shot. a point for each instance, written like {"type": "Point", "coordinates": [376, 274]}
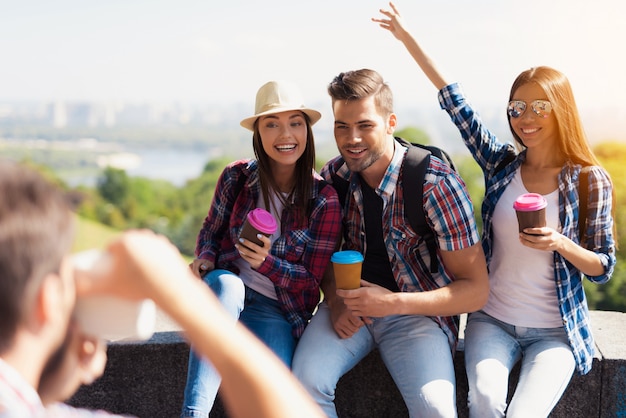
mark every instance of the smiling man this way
{"type": "Point", "coordinates": [401, 308]}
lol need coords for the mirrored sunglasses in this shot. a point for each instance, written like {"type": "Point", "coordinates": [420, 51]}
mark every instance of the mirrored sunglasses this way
{"type": "Point", "coordinates": [542, 108]}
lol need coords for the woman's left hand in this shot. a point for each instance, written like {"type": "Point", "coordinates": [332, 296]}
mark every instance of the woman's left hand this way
{"type": "Point", "coordinates": [544, 238]}
{"type": "Point", "coordinates": [252, 253]}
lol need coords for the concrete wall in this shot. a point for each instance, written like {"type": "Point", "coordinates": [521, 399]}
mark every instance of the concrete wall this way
{"type": "Point", "coordinates": [147, 380]}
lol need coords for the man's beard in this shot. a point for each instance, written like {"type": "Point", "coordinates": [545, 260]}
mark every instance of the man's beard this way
{"type": "Point", "coordinates": [55, 361]}
{"type": "Point", "coordinates": [357, 166]}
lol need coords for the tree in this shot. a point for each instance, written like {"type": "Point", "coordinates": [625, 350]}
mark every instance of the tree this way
{"type": "Point", "coordinates": [612, 295]}
{"type": "Point", "coordinates": [472, 175]}
{"type": "Point", "coordinates": [114, 186]}
{"type": "Point", "coordinates": [413, 134]}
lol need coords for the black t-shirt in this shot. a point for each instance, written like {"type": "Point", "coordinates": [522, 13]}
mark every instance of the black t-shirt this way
{"type": "Point", "coordinates": [376, 266]}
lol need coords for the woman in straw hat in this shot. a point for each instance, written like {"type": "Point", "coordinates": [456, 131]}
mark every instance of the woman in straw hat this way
{"type": "Point", "coordinates": [271, 288]}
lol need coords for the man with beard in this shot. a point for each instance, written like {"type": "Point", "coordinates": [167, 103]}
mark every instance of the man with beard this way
{"type": "Point", "coordinates": [402, 308]}
{"type": "Point", "coordinates": [44, 356]}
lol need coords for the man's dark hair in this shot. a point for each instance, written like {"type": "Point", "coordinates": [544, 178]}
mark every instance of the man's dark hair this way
{"type": "Point", "coordinates": [36, 232]}
{"type": "Point", "coordinates": [360, 84]}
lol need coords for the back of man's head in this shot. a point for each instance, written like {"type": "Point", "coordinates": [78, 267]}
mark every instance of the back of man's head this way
{"type": "Point", "coordinates": [36, 232]}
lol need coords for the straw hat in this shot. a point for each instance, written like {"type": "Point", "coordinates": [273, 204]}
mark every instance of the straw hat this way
{"type": "Point", "coordinates": [276, 97]}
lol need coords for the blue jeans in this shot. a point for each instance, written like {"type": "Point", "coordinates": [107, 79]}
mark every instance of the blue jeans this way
{"type": "Point", "coordinates": [261, 315]}
{"type": "Point", "coordinates": [414, 349]}
{"type": "Point", "coordinates": [492, 348]}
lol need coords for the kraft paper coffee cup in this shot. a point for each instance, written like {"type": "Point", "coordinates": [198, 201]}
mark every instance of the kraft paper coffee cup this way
{"type": "Point", "coordinates": [258, 221]}
{"type": "Point", "coordinates": [347, 266]}
{"type": "Point", "coordinates": [531, 211]}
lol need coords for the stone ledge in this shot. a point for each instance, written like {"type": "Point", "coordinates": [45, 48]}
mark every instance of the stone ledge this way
{"type": "Point", "coordinates": [147, 380]}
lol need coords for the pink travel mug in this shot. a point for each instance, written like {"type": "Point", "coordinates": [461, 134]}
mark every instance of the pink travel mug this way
{"type": "Point", "coordinates": [258, 221]}
{"type": "Point", "coordinates": [531, 211]}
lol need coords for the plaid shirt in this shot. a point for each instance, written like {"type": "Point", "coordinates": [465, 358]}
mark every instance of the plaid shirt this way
{"type": "Point", "coordinates": [297, 259]}
{"type": "Point", "coordinates": [19, 400]}
{"type": "Point", "coordinates": [448, 211]}
{"type": "Point", "coordinates": [488, 153]}
{"type": "Point", "coordinates": [17, 397]}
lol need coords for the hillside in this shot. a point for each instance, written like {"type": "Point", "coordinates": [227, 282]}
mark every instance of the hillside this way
{"type": "Point", "coordinates": [91, 234]}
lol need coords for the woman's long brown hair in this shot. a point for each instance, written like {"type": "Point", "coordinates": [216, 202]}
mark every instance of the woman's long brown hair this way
{"type": "Point", "coordinates": [572, 140]}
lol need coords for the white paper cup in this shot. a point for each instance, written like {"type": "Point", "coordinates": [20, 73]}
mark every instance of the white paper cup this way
{"type": "Point", "coordinates": [109, 317]}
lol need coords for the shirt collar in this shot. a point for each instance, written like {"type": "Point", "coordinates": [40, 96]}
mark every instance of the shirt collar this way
{"type": "Point", "coordinates": [388, 185]}
{"type": "Point", "coordinates": [23, 395]}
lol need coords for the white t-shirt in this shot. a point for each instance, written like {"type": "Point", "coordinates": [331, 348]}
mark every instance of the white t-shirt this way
{"type": "Point", "coordinates": [250, 277]}
{"type": "Point", "coordinates": [521, 279]}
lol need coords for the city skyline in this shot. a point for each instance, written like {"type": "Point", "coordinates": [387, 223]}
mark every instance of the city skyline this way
{"type": "Point", "coordinates": [121, 53]}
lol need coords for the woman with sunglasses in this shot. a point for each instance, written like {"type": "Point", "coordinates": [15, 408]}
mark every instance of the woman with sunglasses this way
{"type": "Point", "coordinates": [536, 312]}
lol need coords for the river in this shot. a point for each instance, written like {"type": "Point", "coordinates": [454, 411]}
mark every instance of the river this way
{"type": "Point", "coordinates": [175, 166]}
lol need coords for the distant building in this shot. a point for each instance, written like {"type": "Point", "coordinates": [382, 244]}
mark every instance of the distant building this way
{"type": "Point", "coordinates": [59, 115]}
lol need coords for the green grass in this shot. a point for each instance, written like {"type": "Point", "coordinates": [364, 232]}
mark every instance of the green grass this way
{"type": "Point", "coordinates": [91, 234]}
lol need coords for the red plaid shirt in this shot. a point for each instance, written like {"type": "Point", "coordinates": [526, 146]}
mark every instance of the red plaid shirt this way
{"type": "Point", "coordinates": [297, 258]}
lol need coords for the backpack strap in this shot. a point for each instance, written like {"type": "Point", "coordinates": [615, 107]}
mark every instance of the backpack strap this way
{"type": "Point", "coordinates": [413, 173]}
{"type": "Point", "coordinates": [583, 193]}
{"type": "Point", "coordinates": [341, 186]}
{"type": "Point", "coordinates": [583, 202]}
{"type": "Point", "coordinates": [508, 159]}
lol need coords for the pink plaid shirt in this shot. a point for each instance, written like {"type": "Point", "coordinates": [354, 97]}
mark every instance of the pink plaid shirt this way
{"type": "Point", "coordinates": [20, 400]}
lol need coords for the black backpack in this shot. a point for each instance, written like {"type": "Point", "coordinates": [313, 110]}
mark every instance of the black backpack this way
{"type": "Point", "coordinates": [414, 169]}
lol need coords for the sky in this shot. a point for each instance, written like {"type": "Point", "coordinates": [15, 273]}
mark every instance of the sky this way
{"type": "Point", "coordinates": [221, 52]}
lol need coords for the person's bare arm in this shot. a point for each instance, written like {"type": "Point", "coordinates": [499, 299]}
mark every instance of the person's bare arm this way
{"type": "Point", "coordinates": [395, 24]}
{"type": "Point", "coordinates": [467, 293]}
{"type": "Point", "coordinates": [254, 381]}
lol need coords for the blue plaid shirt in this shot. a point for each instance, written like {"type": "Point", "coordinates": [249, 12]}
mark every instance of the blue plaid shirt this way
{"type": "Point", "coordinates": [448, 210]}
{"type": "Point", "coordinates": [488, 153]}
